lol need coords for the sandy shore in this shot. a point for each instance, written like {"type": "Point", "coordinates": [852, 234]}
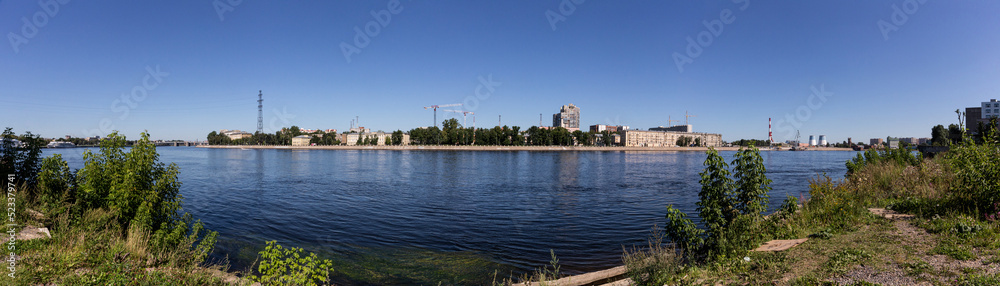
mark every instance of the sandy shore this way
{"type": "Point", "coordinates": [503, 148]}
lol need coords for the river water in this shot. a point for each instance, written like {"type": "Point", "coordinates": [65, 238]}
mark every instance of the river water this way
{"type": "Point", "coordinates": [458, 217]}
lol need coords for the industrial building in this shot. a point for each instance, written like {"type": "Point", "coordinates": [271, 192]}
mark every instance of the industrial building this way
{"type": "Point", "coordinates": [876, 141]}
{"type": "Point", "coordinates": [639, 138]}
{"type": "Point", "coordinates": [568, 117]}
{"type": "Point", "coordinates": [675, 128]}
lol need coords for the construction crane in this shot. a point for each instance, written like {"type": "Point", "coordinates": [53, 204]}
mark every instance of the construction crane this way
{"type": "Point", "coordinates": [670, 122]}
{"type": "Point", "coordinates": [464, 114]}
{"type": "Point", "coordinates": [686, 116]}
{"type": "Point", "coordinates": [435, 107]}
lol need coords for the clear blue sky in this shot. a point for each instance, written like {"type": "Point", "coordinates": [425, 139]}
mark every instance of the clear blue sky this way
{"type": "Point", "coordinates": [613, 59]}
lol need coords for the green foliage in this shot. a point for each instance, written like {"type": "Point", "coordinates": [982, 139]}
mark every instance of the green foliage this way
{"type": "Point", "coordinates": [141, 193]}
{"type": "Point", "coordinates": [841, 260]}
{"type": "Point", "coordinates": [684, 141]}
{"type": "Point", "coordinates": [288, 266]}
{"type": "Point", "coordinates": [57, 188]}
{"type": "Point", "coordinates": [23, 160]}
{"type": "Point", "coordinates": [682, 231]}
{"type": "Point", "coordinates": [752, 184]}
{"type": "Point", "coordinates": [730, 210]}
{"type": "Point", "coordinates": [898, 156]}
{"type": "Point", "coordinates": [135, 186]}
{"type": "Point", "coordinates": [654, 265]}
{"type": "Point", "coordinates": [397, 137]}
{"type": "Point", "coordinates": [977, 172]}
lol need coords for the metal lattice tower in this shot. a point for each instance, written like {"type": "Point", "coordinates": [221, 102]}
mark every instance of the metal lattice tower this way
{"type": "Point", "coordinates": [260, 112]}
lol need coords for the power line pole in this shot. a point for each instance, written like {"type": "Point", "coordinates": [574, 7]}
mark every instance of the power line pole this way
{"type": "Point", "coordinates": [260, 112]}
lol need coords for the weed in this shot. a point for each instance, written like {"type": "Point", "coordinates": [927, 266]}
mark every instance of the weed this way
{"type": "Point", "coordinates": [953, 250]}
{"type": "Point", "coordinates": [842, 259]}
{"type": "Point", "coordinates": [915, 269]}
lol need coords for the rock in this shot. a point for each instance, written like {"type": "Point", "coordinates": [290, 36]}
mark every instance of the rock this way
{"type": "Point", "coordinates": [30, 232]}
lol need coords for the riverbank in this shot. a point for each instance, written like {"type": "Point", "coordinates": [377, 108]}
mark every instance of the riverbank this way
{"type": "Point", "coordinates": [501, 148]}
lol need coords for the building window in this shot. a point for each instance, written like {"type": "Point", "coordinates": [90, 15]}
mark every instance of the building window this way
{"type": "Point", "coordinates": [987, 111]}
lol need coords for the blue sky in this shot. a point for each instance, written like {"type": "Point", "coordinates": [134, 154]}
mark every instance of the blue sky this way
{"type": "Point", "coordinates": [613, 59]}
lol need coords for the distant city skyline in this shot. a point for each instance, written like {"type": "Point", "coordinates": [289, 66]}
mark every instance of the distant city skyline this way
{"type": "Point", "coordinates": [864, 69]}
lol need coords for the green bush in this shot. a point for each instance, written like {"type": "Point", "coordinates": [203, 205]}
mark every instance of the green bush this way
{"type": "Point", "coordinates": [288, 266]}
{"type": "Point", "coordinates": [899, 156]}
{"type": "Point", "coordinates": [141, 193]}
{"type": "Point", "coordinates": [977, 174]}
{"type": "Point", "coordinates": [731, 210]}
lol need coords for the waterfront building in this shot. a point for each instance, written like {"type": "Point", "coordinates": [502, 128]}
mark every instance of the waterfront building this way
{"type": "Point", "coordinates": [235, 134]}
{"type": "Point", "coordinates": [876, 141]}
{"type": "Point", "coordinates": [568, 117]}
{"type": "Point", "coordinates": [301, 140]}
{"type": "Point", "coordinates": [639, 138]}
{"type": "Point", "coordinates": [383, 138]}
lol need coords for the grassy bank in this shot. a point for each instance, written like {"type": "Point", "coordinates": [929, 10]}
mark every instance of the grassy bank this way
{"type": "Point", "coordinates": [952, 238]}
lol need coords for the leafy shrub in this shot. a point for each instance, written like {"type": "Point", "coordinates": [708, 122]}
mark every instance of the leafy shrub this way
{"type": "Point", "coordinates": [731, 210]}
{"type": "Point", "coordinates": [140, 192]}
{"type": "Point", "coordinates": [287, 266]}
{"type": "Point", "coordinates": [898, 156]}
{"type": "Point", "coordinates": [23, 161]}
{"type": "Point", "coordinates": [56, 186]}
{"type": "Point", "coordinates": [977, 171]}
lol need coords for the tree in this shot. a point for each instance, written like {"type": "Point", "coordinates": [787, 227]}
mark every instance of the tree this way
{"type": "Point", "coordinates": [939, 135]}
{"type": "Point", "coordinates": [955, 133]}
{"type": "Point", "coordinates": [397, 137]}
{"type": "Point", "coordinates": [684, 141]}
{"type": "Point", "coordinates": [23, 161]}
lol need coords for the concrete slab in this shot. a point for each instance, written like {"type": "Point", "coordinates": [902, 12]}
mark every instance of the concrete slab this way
{"type": "Point", "coordinates": [623, 282]}
{"type": "Point", "coordinates": [582, 279]}
{"type": "Point", "coordinates": [890, 214]}
{"type": "Point", "coordinates": [780, 245]}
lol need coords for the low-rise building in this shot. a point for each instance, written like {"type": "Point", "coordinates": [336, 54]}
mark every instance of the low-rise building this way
{"type": "Point", "coordinates": [382, 138]}
{"type": "Point", "coordinates": [639, 138]}
{"type": "Point", "coordinates": [301, 140]}
{"type": "Point", "coordinates": [235, 134]}
{"type": "Point", "coordinates": [876, 141]}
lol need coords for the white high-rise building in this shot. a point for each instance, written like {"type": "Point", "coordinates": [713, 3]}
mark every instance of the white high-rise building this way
{"type": "Point", "coordinates": [990, 109]}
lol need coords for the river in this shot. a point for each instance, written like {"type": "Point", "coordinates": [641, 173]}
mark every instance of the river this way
{"type": "Point", "coordinates": [405, 217]}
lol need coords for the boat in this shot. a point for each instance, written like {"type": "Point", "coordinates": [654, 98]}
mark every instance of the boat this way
{"type": "Point", "coordinates": [60, 144]}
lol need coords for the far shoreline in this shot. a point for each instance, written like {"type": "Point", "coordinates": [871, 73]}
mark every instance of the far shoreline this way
{"type": "Point", "coordinates": [499, 148]}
